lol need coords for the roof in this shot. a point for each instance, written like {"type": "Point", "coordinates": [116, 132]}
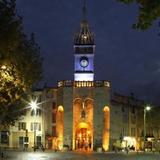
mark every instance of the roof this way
{"type": "Point", "coordinates": [84, 36]}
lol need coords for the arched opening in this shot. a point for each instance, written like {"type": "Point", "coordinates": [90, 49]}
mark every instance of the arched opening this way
{"type": "Point", "coordinates": [106, 128]}
{"type": "Point", "coordinates": [82, 124]}
{"type": "Point", "coordinates": [83, 138]}
{"type": "Point", "coordinates": [60, 127]}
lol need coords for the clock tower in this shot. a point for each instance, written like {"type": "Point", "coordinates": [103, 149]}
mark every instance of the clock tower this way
{"type": "Point", "coordinates": [84, 47]}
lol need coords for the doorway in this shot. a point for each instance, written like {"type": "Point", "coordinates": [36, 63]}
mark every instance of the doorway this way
{"type": "Point", "coordinates": [83, 139]}
{"type": "Point", "coordinates": [38, 140]}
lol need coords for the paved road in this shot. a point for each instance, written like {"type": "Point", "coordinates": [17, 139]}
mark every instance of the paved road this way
{"type": "Point", "coordinates": [12, 155]}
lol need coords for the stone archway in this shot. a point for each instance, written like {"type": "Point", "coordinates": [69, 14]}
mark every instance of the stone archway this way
{"type": "Point", "coordinates": [83, 137]}
{"type": "Point", "coordinates": [82, 124]}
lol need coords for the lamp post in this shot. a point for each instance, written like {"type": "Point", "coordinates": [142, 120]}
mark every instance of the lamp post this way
{"type": "Point", "coordinates": [34, 106]}
{"type": "Point", "coordinates": [147, 108]}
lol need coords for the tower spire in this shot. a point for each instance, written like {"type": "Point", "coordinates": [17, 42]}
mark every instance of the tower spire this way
{"type": "Point", "coordinates": [84, 9]}
{"type": "Point", "coordinates": [84, 36]}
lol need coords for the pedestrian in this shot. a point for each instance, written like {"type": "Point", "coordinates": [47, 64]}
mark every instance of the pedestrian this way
{"type": "Point", "coordinates": [25, 147]}
{"type": "Point", "coordinates": [115, 149]}
{"type": "Point", "coordinates": [127, 149]}
{"type": "Point", "coordinates": [42, 148]}
{"type": "Point", "coordinates": [86, 146]}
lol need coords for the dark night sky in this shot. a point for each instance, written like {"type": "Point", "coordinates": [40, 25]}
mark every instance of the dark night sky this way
{"type": "Point", "coordinates": [129, 59]}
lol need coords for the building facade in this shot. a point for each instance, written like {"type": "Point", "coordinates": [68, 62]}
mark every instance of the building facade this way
{"type": "Point", "coordinates": [83, 116]}
{"type": "Point", "coordinates": [125, 120]}
{"type": "Point", "coordinates": [80, 114]}
{"type": "Point", "coordinates": [29, 129]}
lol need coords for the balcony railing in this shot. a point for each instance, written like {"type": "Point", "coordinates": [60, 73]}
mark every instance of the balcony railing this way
{"type": "Point", "coordinates": [69, 83]}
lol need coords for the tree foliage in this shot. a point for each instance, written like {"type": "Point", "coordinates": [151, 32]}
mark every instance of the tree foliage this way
{"type": "Point", "coordinates": [20, 63]}
{"type": "Point", "coordinates": [149, 11]}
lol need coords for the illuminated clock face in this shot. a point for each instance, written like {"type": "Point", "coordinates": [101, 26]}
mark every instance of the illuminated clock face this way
{"type": "Point", "coordinates": [84, 62]}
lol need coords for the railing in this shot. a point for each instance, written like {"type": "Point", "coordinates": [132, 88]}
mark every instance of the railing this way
{"type": "Point", "coordinates": [69, 83]}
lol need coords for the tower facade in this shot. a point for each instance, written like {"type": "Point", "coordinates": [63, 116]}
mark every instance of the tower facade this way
{"type": "Point", "coordinates": [86, 102]}
{"type": "Point", "coordinates": [84, 47]}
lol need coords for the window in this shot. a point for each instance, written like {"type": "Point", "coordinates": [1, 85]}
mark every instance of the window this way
{"type": "Point", "coordinates": [38, 112]}
{"type": "Point", "coordinates": [133, 119]}
{"type": "Point", "coordinates": [21, 141]}
{"type": "Point", "coordinates": [39, 99]}
{"type": "Point", "coordinates": [53, 106]}
{"type": "Point", "coordinates": [26, 139]}
{"type": "Point", "coordinates": [133, 109]}
{"type": "Point", "coordinates": [35, 126]}
{"type": "Point", "coordinates": [84, 50]}
{"type": "Point", "coordinates": [133, 132]}
{"type": "Point", "coordinates": [38, 140]}
{"type": "Point", "coordinates": [124, 132]}
{"type": "Point", "coordinates": [4, 137]}
{"type": "Point", "coordinates": [22, 126]}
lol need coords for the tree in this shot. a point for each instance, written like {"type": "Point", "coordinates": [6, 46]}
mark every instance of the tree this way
{"type": "Point", "coordinates": [149, 11]}
{"type": "Point", "coordinates": [20, 64]}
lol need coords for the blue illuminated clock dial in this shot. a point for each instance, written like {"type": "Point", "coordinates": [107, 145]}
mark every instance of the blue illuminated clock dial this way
{"type": "Point", "coordinates": [84, 62]}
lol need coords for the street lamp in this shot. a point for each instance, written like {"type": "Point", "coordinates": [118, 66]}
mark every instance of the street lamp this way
{"type": "Point", "coordinates": [33, 105]}
{"type": "Point", "coordinates": [147, 108]}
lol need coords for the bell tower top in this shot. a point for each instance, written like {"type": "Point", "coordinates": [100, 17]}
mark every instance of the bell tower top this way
{"type": "Point", "coordinates": [84, 36]}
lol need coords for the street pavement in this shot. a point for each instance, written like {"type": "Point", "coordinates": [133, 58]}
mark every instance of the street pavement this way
{"type": "Point", "coordinates": [49, 155]}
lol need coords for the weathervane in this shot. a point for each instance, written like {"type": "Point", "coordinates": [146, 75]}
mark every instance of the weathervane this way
{"type": "Point", "coordinates": [84, 9]}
